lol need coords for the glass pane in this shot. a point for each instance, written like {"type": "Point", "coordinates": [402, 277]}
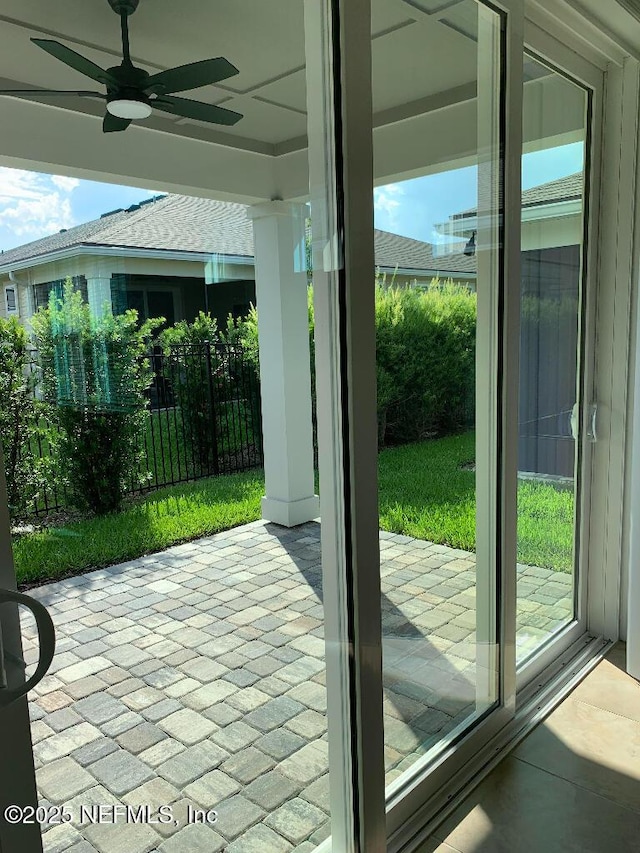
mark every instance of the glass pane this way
{"type": "Point", "coordinates": [438, 254]}
{"type": "Point", "coordinates": [167, 490]}
{"type": "Point", "coordinates": [553, 189]}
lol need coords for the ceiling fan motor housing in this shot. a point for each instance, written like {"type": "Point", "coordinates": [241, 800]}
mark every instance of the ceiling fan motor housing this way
{"type": "Point", "coordinates": [126, 6]}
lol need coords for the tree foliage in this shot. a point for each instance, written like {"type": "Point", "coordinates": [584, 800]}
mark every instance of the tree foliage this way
{"type": "Point", "coordinates": [21, 424]}
{"type": "Point", "coordinates": [95, 372]}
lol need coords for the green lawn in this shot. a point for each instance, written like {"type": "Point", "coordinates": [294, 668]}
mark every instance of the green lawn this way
{"type": "Point", "coordinates": [152, 523]}
{"type": "Point", "coordinates": [424, 492]}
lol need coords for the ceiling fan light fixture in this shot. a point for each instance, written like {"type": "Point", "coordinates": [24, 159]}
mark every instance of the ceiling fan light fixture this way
{"type": "Point", "coordinates": [133, 93]}
{"type": "Point", "coordinates": [125, 108]}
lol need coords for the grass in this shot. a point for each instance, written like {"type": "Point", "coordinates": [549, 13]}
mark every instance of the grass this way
{"type": "Point", "coordinates": [424, 492]}
{"type": "Point", "coordinates": [162, 518]}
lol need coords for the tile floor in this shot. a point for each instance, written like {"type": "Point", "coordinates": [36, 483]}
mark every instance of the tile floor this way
{"type": "Point", "coordinates": [196, 677]}
{"type": "Point", "coordinates": [572, 786]}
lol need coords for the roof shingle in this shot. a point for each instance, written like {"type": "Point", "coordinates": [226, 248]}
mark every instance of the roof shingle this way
{"type": "Point", "coordinates": [186, 224]}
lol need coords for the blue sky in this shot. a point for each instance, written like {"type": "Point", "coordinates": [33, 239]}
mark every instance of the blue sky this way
{"type": "Point", "coordinates": [412, 208]}
{"type": "Point", "coordinates": [33, 205]}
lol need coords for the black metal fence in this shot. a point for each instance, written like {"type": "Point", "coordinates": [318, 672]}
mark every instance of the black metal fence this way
{"type": "Point", "coordinates": [205, 416]}
{"type": "Point", "coordinates": [204, 419]}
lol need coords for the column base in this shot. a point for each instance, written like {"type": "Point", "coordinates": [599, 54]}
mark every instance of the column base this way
{"type": "Point", "coordinates": [290, 513]}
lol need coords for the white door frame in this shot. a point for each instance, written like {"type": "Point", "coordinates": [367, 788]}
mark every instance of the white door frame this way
{"type": "Point", "coordinates": [614, 546]}
{"type": "Point", "coordinates": [630, 580]}
{"type": "Point", "coordinates": [548, 49]}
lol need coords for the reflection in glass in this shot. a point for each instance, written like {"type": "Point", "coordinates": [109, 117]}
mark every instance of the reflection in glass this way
{"type": "Point", "coordinates": [437, 207]}
{"type": "Point", "coordinates": [555, 111]}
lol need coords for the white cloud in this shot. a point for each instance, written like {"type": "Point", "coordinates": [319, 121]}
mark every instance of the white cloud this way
{"type": "Point", "coordinates": [17, 184]}
{"type": "Point", "coordinates": [66, 184]}
{"type": "Point", "coordinates": [34, 205]}
{"type": "Point", "coordinates": [386, 204]}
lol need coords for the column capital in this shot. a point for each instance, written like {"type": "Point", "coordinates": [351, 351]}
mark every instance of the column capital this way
{"type": "Point", "coordinates": [276, 208]}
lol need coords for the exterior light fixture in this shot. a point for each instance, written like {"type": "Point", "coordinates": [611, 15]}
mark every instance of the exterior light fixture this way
{"type": "Point", "coordinates": [470, 248]}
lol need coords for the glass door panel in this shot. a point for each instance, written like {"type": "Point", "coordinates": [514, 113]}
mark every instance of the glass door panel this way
{"type": "Point", "coordinates": [191, 666]}
{"type": "Point", "coordinates": [437, 206]}
{"type": "Point", "coordinates": [555, 113]}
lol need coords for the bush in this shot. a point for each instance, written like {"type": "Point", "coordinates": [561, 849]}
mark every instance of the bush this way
{"type": "Point", "coordinates": [20, 418]}
{"type": "Point", "coordinates": [425, 342]}
{"type": "Point", "coordinates": [95, 374]}
{"type": "Point", "coordinates": [243, 332]}
{"type": "Point", "coordinates": [207, 378]}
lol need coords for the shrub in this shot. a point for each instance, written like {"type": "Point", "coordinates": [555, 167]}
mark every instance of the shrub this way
{"type": "Point", "coordinates": [245, 332]}
{"type": "Point", "coordinates": [425, 342]}
{"type": "Point", "coordinates": [95, 375]}
{"type": "Point", "coordinates": [195, 370]}
{"type": "Point", "coordinates": [21, 426]}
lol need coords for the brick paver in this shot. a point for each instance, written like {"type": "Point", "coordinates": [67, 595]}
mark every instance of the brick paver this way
{"type": "Point", "coordinates": [195, 678]}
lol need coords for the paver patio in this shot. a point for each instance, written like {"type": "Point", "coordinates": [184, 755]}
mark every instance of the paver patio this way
{"type": "Point", "coordinates": [195, 677]}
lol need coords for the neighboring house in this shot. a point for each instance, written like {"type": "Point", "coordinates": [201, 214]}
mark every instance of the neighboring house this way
{"type": "Point", "coordinates": [406, 261]}
{"type": "Point", "coordinates": [551, 259]}
{"type": "Point", "coordinates": [551, 215]}
{"type": "Point", "coordinates": [161, 256]}
{"type": "Point", "coordinates": [175, 255]}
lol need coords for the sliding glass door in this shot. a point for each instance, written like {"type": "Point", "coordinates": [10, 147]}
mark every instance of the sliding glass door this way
{"type": "Point", "coordinates": [438, 216]}
{"type": "Point", "coordinates": [552, 416]}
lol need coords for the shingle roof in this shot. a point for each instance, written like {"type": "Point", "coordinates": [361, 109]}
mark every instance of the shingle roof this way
{"type": "Point", "coordinates": [562, 189]}
{"type": "Point", "coordinates": [393, 250]}
{"type": "Point", "coordinates": [171, 222]}
{"type": "Point", "coordinates": [186, 224]}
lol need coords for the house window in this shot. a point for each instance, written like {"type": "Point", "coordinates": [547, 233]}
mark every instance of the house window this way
{"type": "Point", "coordinates": [41, 292]}
{"type": "Point", "coordinates": [10, 300]}
{"type": "Point", "coordinates": [150, 296]}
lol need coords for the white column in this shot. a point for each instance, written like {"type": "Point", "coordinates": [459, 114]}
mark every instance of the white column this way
{"type": "Point", "coordinates": [285, 370]}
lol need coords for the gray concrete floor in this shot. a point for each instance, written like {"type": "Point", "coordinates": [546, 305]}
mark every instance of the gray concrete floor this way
{"type": "Point", "coordinates": [194, 678]}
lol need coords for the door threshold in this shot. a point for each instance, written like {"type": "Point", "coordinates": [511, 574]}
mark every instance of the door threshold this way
{"type": "Point", "coordinates": [535, 702]}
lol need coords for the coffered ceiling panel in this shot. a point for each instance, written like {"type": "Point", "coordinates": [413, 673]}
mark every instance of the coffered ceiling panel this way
{"type": "Point", "coordinates": [388, 14]}
{"type": "Point", "coordinates": [290, 91]}
{"type": "Point", "coordinates": [420, 60]}
{"type": "Point", "coordinates": [265, 121]}
{"type": "Point", "coordinates": [414, 55]}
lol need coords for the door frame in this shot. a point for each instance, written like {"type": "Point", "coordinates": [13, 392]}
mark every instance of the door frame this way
{"type": "Point", "coordinates": [17, 770]}
{"type": "Point", "coordinates": [409, 812]}
{"type": "Point", "coordinates": [544, 47]}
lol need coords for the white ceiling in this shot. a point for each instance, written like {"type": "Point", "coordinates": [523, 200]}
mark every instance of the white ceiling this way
{"type": "Point", "coordinates": [415, 54]}
{"type": "Point", "coordinates": [424, 72]}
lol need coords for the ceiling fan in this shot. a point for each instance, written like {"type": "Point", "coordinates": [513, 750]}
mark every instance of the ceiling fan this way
{"type": "Point", "coordinates": [132, 93]}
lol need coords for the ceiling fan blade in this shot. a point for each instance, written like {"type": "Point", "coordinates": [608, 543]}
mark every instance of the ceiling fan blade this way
{"type": "Point", "coordinates": [75, 61]}
{"type": "Point", "coordinates": [191, 76]}
{"type": "Point", "coordinates": [36, 93]}
{"type": "Point", "coordinates": [113, 124]}
{"type": "Point", "coordinates": [196, 110]}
